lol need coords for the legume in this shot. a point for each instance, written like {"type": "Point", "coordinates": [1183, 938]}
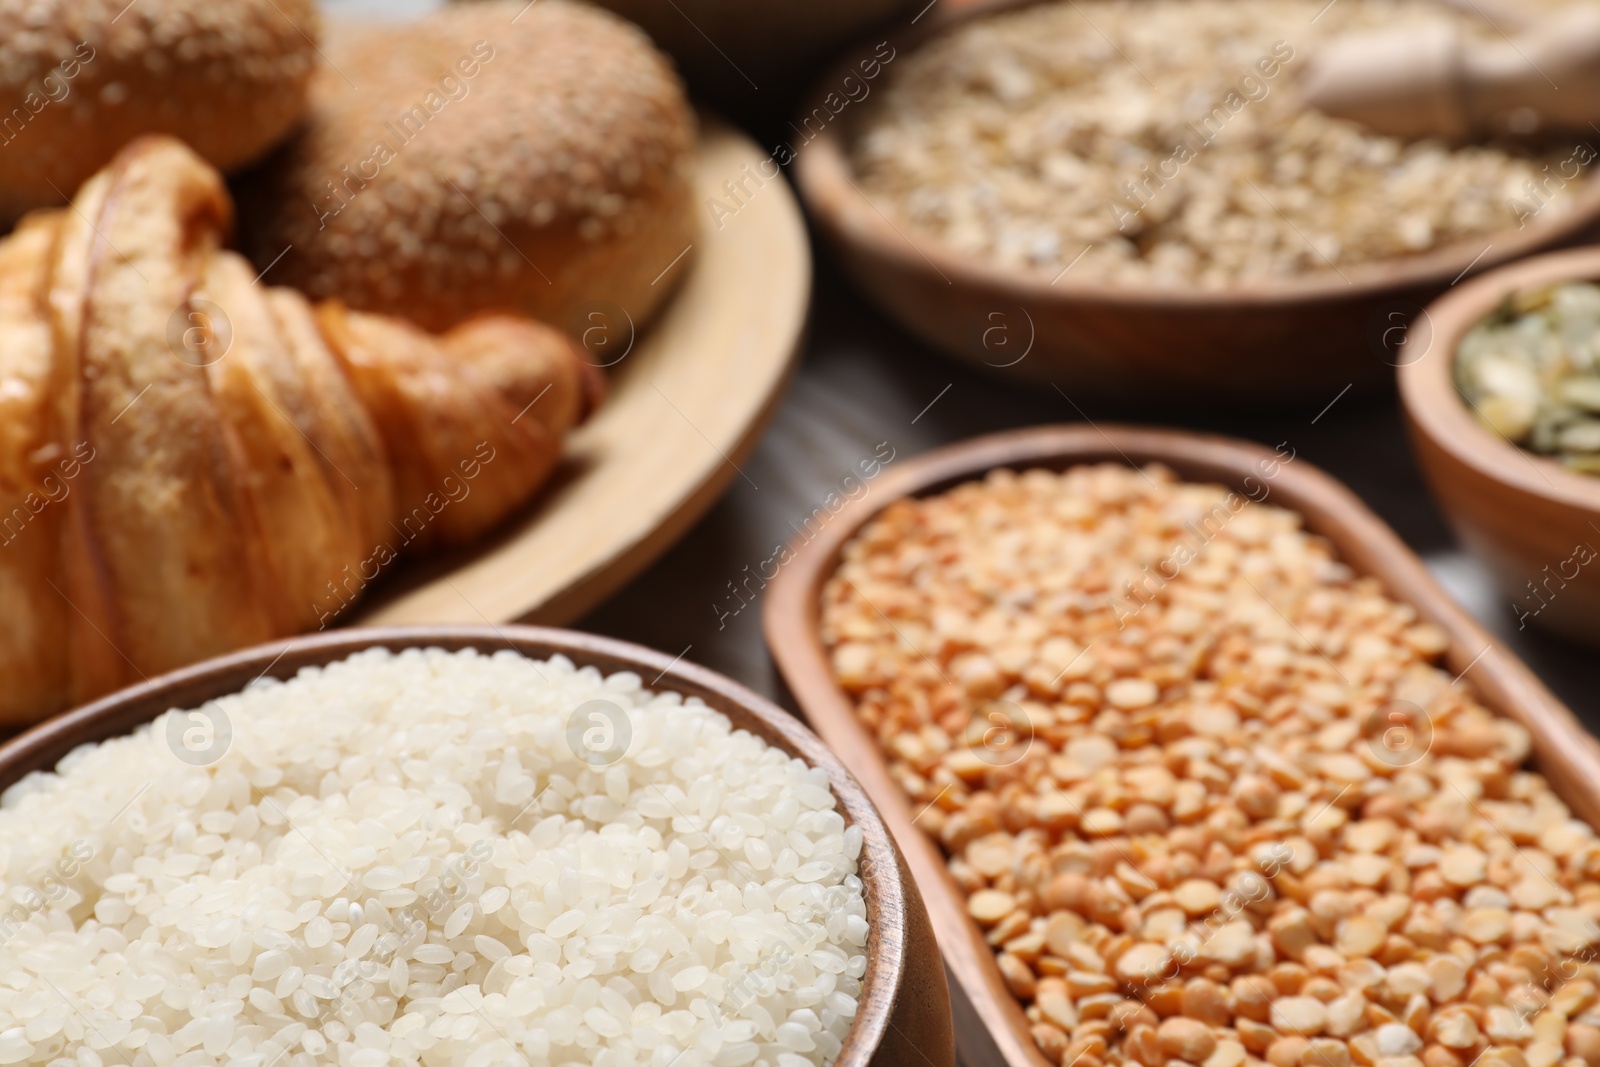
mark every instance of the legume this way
{"type": "Point", "coordinates": [1194, 838]}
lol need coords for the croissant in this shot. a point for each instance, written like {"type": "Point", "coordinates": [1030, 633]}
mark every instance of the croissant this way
{"type": "Point", "coordinates": [192, 461]}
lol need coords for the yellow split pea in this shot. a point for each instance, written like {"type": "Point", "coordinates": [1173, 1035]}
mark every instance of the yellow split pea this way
{"type": "Point", "coordinates": [1204, 846]}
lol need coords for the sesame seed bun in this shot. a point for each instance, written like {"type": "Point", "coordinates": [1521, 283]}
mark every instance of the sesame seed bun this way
{"type": "Point", "coordinates": [535, 158]}
{"type": "Point", "coordinates": [81, 78]}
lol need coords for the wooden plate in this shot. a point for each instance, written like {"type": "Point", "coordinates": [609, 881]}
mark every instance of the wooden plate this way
{"type": "Point", "coordinates": [687, 403]}
{"type": "Point", "coordinates": [903, 1016]}
{"type": "Point", "coordinates": [1566, 754]}
{"type": "Point", "coordinates": [1297, 338]}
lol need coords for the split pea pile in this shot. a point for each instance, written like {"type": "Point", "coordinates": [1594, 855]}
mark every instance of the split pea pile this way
{"type": "Point", "coordinates": [1165, 142]}
{"type": "Point", "coordinates": [1161, 734]}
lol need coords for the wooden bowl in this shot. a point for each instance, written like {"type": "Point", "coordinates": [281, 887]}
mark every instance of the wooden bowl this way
{"type": "Point", "coordinates": [1526, 516]}
{"type": "Point", "coordinates": [1297, 339]}
{"type": "Point", "coordinates": [903, 1015]}
{"type": "Point", "coordinates": [735, 49]}
{"type": "Point", "coordinates": [1568, 755]}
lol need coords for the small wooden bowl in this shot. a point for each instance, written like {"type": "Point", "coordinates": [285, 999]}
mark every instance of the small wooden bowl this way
{"type": "Point", "coordinates": [1568, 755]}
{"type": "Point", "coordinates": [1526, 516]}
{"type": "Point", "coordinates": [1305, 338]}
{"type": "Point", "coordinates": [903, 1016]}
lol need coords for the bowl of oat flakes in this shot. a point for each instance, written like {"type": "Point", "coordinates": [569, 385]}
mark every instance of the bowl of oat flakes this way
{"type": "Point", "coordinates": [1504, 412]}
{"type": "Point", "coordinates": [1131, 197]}
{"type": "Point", "coordinates": [1196, 765]}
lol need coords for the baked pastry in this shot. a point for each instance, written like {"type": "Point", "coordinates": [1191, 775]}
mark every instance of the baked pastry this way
{"type": "Point", "coordinates": [81, 78]}
{"type": "Point", "coordinates": [497, 155]}
{"type": "Point", "coordinates": [191, 461]}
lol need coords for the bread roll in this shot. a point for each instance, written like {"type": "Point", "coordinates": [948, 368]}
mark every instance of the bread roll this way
{"type": "Point", "coordinates": [81, 78]}
{"type": "Point", "coordinates": [535, 158]}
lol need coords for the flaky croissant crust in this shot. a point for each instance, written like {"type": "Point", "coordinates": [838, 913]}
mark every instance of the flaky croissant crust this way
{"type": "Point", "coordinates": [192, 461]}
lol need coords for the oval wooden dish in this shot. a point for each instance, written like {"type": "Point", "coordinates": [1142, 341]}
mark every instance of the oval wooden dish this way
{"type": "Point", "coordinates": [991, 1028]}
{"type": "Point", "coordinates": [1530, 519]}
{"type": "Point", "coordinates": [903, 1015]}
{"type": "Point", "coordinates": [687, 403]}
{"type": "Point", "coordinates": [1293, 339]}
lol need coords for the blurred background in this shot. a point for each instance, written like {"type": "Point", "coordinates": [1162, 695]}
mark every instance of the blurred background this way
{"type": "Point", "coordinates": [861, 380]}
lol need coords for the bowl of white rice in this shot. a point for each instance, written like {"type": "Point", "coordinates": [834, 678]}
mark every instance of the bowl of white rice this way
{"type": "Point", "coordinates": [474, 847]}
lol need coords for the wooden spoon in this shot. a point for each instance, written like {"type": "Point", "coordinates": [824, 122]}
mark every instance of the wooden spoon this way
{"type": "Point", "coordinates": [1434, 83]}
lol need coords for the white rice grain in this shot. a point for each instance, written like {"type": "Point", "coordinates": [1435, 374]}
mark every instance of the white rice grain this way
{"type": "Point", "coordinates": [401, 859]}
